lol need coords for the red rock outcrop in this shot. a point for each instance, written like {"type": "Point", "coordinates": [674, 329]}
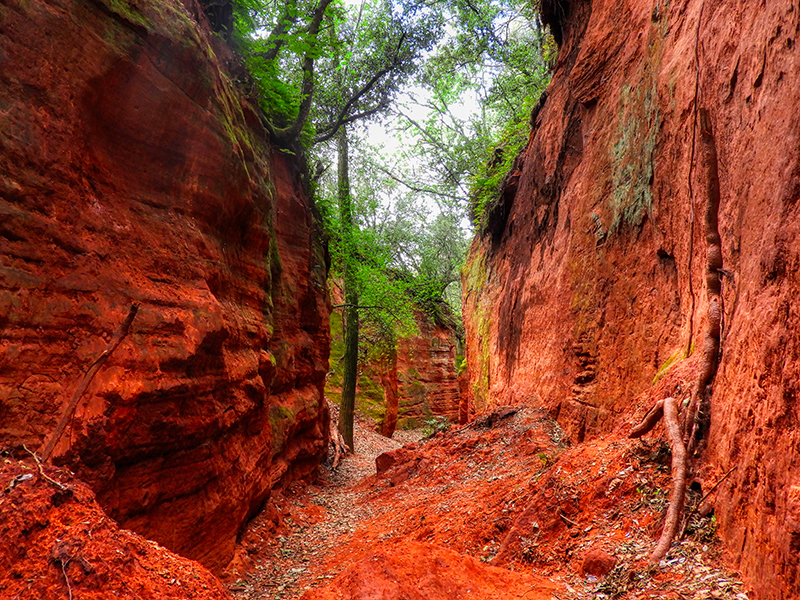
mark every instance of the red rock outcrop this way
{"type": "Point", "coordinates": [426, 373]}
{"type": "Point", "coordinates": [133, 171]}
{"type": "Point", "coordinates": [588, 283]}
{"type": "Point", "coordinates": [415, 381]}
{"type": "Point", "coordinates": [58, 543]}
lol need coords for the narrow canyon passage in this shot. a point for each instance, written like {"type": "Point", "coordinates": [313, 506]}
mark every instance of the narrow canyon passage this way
{"type": "Point", "coordinates": [288, 548]}
{"type": "Point", "coordinates": [503, 508]}
{"type": "Point", "coordinates": [619, 235]}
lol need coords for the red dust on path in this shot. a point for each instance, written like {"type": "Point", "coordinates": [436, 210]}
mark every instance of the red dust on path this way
{"type": "Point", "coordinates": [502, 508]}
{"type": "Point", "coordinates": [420, 571]}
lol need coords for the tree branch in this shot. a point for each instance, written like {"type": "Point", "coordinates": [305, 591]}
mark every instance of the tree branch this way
{"type": "Point", "coordinates": [276, 36]}
{"type": "Point", "coordinates": [347, 120]}
{"type": "Point", "coordinates": [87, 379]}
{"type": "Point", "coordinates": [434, 142]}
{"type": "Point", "coordinates": [411, 187]}
{"type": "Point", "coordinates": [342, 118]}
{"type": "Point", "coordinates": [357, 306]}
{"type": "Point", "coordinates": [307, 89]}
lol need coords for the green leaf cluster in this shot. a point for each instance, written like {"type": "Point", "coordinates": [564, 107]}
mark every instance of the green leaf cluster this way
{"type": "Point", "coordinates": [479, 91]}
{"type": "Point", "coordinates": [403, 258]}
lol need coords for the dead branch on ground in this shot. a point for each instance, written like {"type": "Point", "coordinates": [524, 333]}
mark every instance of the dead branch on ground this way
{"type": "Point", "coordinates": [60, 486]}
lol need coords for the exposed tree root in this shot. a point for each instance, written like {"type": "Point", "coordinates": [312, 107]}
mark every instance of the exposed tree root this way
{"type": "Point", "coordinates": [678, 481]}
{"type": "Point", "coordinates": [340, 448]}
{"type": "Point", "coordinates": [710, 356]}
{"type": "Point", "coordinates": [649, 421]}
{"type": "Point", "coordinates": [683, 435]}
{"type": "Point", "coordinates": [116, 339]}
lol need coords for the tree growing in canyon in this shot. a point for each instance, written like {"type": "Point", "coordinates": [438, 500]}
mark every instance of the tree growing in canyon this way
{"type": "Point", "coordinates": [385, 43]}
{"type": "Point", "coordinates": [324, 65]}
{"type": "Point", "coordinates": [347, 64]}
{"type": "Point", "coordinates": [390, 261]}
{"type": "Point", "coordinates": [498, 64]}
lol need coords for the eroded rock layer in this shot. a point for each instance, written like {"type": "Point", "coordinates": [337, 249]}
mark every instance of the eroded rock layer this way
{"type": "Point", "coordinates": [133, 171]}
{"type": "Point", "coordinates": [590, 283]}
{"type": "Point", "coordinates": [426, 373]}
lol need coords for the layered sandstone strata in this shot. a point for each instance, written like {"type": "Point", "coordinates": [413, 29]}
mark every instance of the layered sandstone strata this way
{"type": "Point", "coordinates": [132, 170]}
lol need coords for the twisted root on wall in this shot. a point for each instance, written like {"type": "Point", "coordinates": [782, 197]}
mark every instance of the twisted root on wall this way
{"type": "Point", "coordinates": [713, 274]}
{"type": "Point", "coordinates": [679, 468]}
{"type": "Point", "coordinates": [683, 435]}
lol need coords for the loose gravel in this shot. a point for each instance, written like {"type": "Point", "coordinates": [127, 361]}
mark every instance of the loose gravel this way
{"type": "Point", "coordinates": [292, 562]}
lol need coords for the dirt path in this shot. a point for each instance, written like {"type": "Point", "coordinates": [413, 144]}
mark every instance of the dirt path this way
{"type": "Point", "coordinates": [310, 523]}
{"type": "Point", "coordinates": [504, 504]}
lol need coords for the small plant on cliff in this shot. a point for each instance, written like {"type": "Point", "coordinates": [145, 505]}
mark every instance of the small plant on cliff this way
{"type": "Point", "coordinates": [524, 77]}
{"type": "Point", "coordinates": [434, 425]}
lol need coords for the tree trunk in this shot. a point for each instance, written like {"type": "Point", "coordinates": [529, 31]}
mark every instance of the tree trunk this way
{"type": "Point", "coordinates": [350, 359]}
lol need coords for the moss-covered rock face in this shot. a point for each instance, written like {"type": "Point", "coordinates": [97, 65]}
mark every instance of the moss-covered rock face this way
{"type": "Point", "coordinates": [478, 360]}
{"type": "Point", "coordinates": [415, 381]}
{"type": "Point", "coordinates": [133, 170]}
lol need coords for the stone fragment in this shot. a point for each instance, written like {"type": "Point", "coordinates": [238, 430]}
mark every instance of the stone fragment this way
{"type": "Point", "coordinates": [597, 562]}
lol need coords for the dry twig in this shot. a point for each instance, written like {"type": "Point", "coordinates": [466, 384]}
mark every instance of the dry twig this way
{"type": "Point", "coordinates": [60, 486]}
{"type": "Point", "coordinates": [64, 571]}
{"type": "Point", "coordinates": [567, 519]}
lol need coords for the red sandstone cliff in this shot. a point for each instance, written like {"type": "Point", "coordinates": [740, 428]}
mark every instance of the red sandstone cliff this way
{"type": "Point", "coordinates": [589, 281]}
{"type": "Point", "coordinates": [132, 170]}
{"type": "Point", "coordinates": [413, 382]}
{"type": "Point", "coordinates": [426, 373]}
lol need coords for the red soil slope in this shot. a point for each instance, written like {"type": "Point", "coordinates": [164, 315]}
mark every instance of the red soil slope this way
{"type": "Point", "coordinates": [133, 171]}
{"type": "Point", "coordinates": [65, 546]}
{"type": "Point", "coordinates": [589, 281]}
{"type": "Point", "coordinates": [503, 508]}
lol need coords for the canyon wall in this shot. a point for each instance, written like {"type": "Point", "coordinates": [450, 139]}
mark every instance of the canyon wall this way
{"type": "Point", "coordinates": [586, 292]}
{"type": "Point", "coordinates": [426, 373]}
{"type": "Point", "coordinates": [133, 171]}
{"type": "Point", "coordinates": [414, 382]}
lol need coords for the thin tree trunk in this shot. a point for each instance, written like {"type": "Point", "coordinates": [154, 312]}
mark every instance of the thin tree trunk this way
{"type": "Point", "coordinates": [350, 374]}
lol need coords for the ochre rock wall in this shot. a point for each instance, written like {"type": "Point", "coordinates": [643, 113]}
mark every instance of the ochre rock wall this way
{"type": "Point", "coordinates": [589, 282]}
{"type": "Point", "coordinates": [133, 171]}
{"type": "Point", "coordinates": [411, 383]}
{"type": "Point", "coordinates": [426, 373]}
